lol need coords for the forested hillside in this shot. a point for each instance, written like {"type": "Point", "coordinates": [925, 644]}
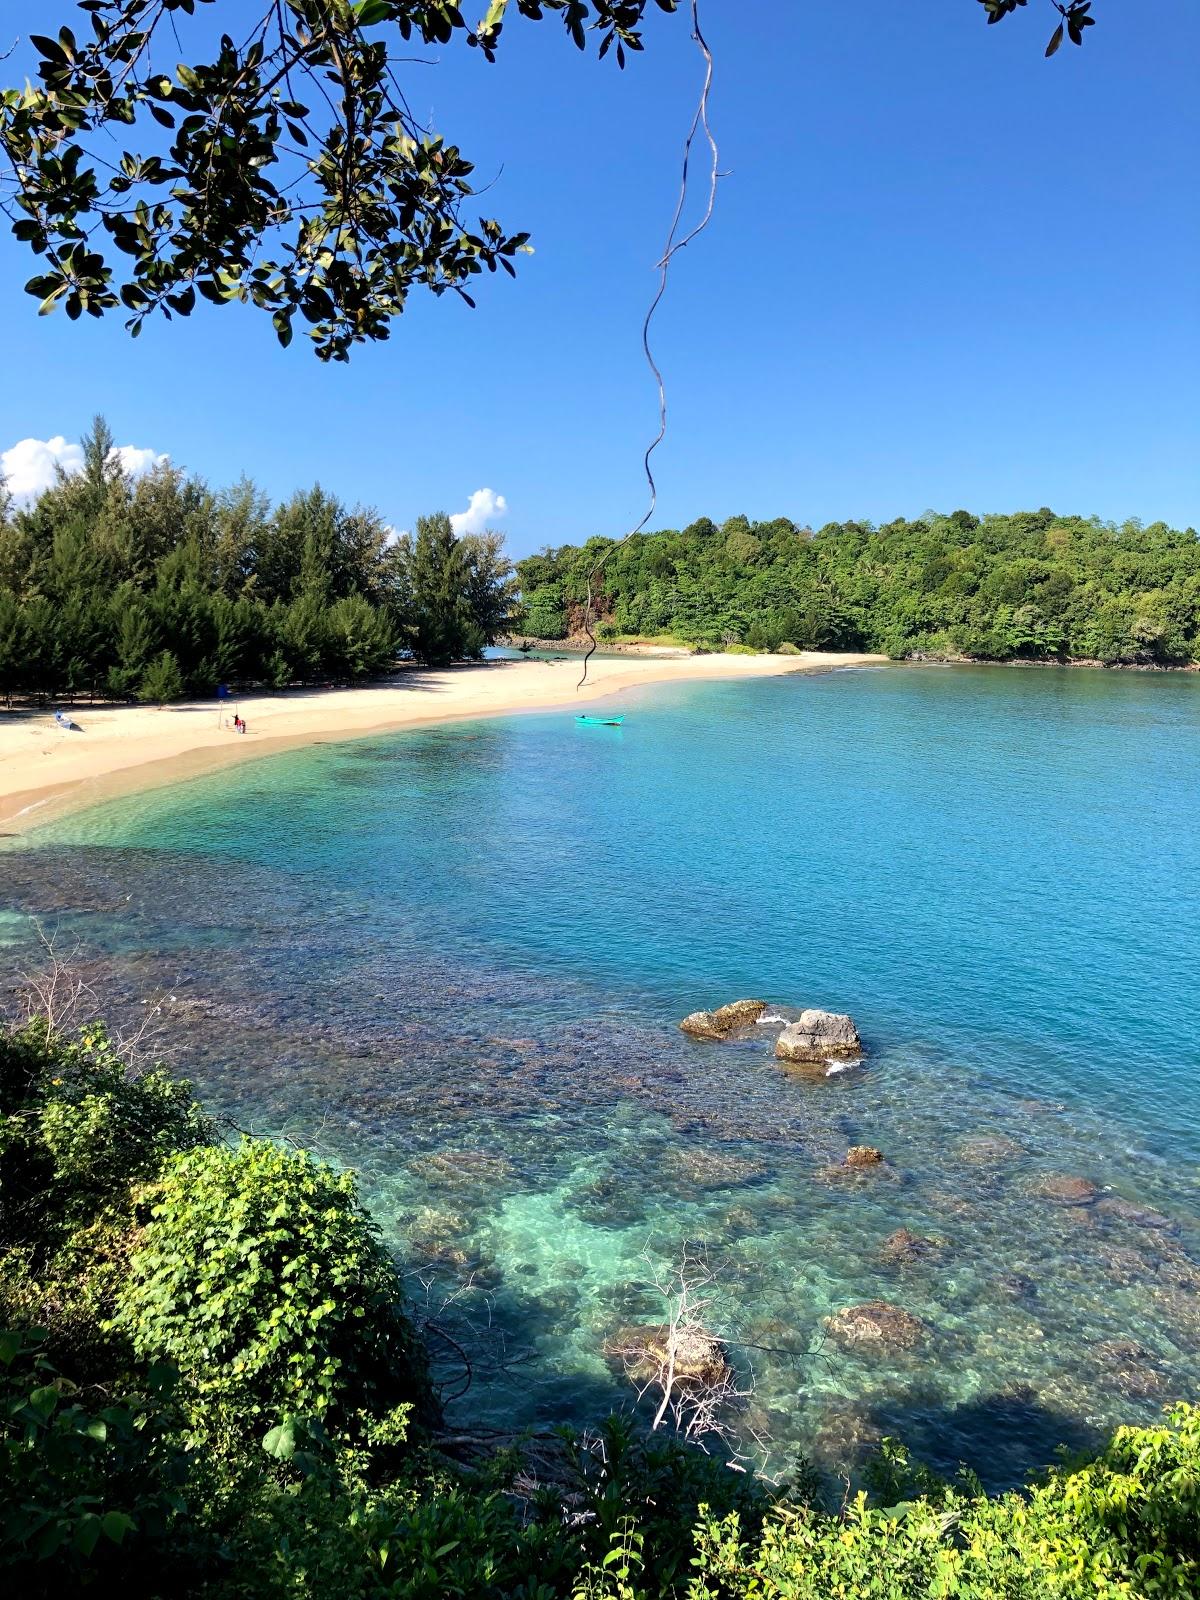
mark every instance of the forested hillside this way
{"type": "Point", "coordinates": [159, 587]}
{"type": "Point", "coordinates": [1032, 585]}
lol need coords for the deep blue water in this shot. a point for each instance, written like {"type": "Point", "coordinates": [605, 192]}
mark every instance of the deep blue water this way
{"type": "Point", "coordinates": [455, 960]}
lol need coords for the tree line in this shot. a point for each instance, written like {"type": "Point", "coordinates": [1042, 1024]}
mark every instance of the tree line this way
{"type": "Point", "coordinates": [163, 587]}
{"type": "Point", "coordinates": [1032, 585]}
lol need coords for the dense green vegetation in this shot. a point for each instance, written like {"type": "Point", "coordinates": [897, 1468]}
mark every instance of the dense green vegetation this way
{"type": "Point", "coordinates": [160, 587]}
{"type": "Point", "coordinates": [1033, 585]}
{"type": "Point", "coordinates": [211, 1385]}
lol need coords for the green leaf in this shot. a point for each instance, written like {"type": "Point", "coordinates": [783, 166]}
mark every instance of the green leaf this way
{"type": "Point", "coordinates": [280, 1442]}
{"type": "Point", "coordinates": [1056, 39]}
{"type": "Point", "coordinates": [369, 12]}
{"type": "Point", "coordinates": [116, 1525]}
{"type": "Point", "coordinates": [44, 1400]}
{"type": "Point", "coordinates": [87, 1533]}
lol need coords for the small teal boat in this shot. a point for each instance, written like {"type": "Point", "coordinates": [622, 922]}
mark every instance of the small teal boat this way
{"type": "Point", "coordinates": [600, 722]}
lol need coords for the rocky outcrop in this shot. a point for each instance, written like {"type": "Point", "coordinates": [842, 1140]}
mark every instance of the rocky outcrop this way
{"type": "Point", "coordinates": [819, 1036]}
{"type": "Point", "coordinates": [646, 1354]}
{"type": "Point", "coordinates": [862, 1164]}
{"type": "Point", "coordinates": [877, 1325]}
{"type": "Point", "coordinates": [719, 1024]}
{"type": "Point", "coordinates": [863, 1155]}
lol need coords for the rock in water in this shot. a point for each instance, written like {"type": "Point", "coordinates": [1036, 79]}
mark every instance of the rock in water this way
{"type": "Point", "coordinates": [1062, 1190]}
{"type": "Point", "coordinates": [724, 1020]}
{"type": "Point", "coordinates": [646, 1354]}
{"type": "Point", "coordinates": [818, 1036]}
{"type": "Point", "coordinates": [877, 1324]}
{"type": "Point", "coordinates": [863, 1155]}
{"type": "Point", "coordinates": [904, 1247]}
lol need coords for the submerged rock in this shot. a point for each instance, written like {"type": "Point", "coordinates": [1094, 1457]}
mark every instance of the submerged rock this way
{"type": "Point", "coordinates": [1129, 1368]}
{"type": "Point", "coordinates": [989, 1149]}
{"type": "Point", "coordinates": [1137, 1216]}
{"type": "Point", "coordinates": [845, 1435]}
{"type": "Point", "coordinates": [461, 1168]}
{"type": "Point", "coordinates": [877, 1324]}
{"type": "Point", "coordinates": [711, 1169]}
{"type": "Point", "coordinates": [1062, 1190]}
{"type": "Point", "coordinates": [719, 1024]}
{"type": "Point", "coordinates": [856, 1174]}
{"type": "Point", "coordinates": [646, 1353]}
{"type": "Point", "coordinates": [819, 1036]}
{"type": "Point", "coordinates": [1011, 1286]}
{"type": "Point", "coordinates": [904, 1248]}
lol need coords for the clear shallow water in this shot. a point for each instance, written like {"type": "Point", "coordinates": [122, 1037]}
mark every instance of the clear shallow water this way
{"type": "Point", "coordinates": [455, 959]}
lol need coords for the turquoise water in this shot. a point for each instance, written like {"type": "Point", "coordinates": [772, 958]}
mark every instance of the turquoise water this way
{"type": "Point", "coordinates": [455, 959]}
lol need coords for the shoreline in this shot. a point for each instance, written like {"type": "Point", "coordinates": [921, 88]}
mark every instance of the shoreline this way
{"type": "Point", "coordinates": [45, 773]}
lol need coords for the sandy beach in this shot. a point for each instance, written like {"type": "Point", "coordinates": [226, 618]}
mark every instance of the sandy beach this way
{"type": "Point", "coordinates": [45, 770]}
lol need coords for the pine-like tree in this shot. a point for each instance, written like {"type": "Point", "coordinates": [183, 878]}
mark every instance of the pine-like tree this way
{"type": "Point", "coordinates": [162, 681]}
{"type": "Point", "coordinates": [136, 638]}
{"type": "Point", "coordinates": [443, 627]}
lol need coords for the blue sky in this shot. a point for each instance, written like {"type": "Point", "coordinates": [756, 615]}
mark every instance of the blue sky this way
{"type": "Point", "coordinates": [943, 272]}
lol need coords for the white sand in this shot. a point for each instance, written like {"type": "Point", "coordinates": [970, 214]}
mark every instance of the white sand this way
{"type": "Point", "coordinates": [45, 770]}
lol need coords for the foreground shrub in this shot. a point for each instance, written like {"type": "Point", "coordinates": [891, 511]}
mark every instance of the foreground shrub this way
{"type": "Point", "coordinates": [79, 1135]}
{"type": "Point", "coordinates": [1123, 1527]}
{"type": "Point", "coordinates": [90, 1486]}
{"type": "Point", "coordinates": [79, 1131]}
{"type": "Point", "coordinates": [263, 1280]}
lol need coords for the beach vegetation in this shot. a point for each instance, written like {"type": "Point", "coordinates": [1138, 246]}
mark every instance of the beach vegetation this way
{"type": "Point", "coordinates": [159, 588]}
{"type": "Point", "coordinates": [162, 681]}
{"type": "Point", "coordinates": [1030, 586]}
{"type": "Point", "coordinates": [444, 625]}
{"type": "Point", "coordinates": [212, 1384]}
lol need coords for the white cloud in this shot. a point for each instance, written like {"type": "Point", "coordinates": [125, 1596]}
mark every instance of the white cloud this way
{"type": "Point", "coordinates": [485, 507]}
{"type": "Point", "coordinates": [135, 462]}
{"type": "Point", "coordinates": [30, 467]}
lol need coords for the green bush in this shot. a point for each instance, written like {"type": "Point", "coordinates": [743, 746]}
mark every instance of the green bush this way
{"type": "Point", "coordinates": [79, 1135]}
{"type": "Point", "coordinates": [90, 1489]}
{"type": "Point", "coordinates": [1123, 1527]}
{"type": "Point", "coordinates": [263, 1280]}
{"type": "Point", "coordinates": [544, 616]}
{"type": "Point", "coordinates": [79, 1131]}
